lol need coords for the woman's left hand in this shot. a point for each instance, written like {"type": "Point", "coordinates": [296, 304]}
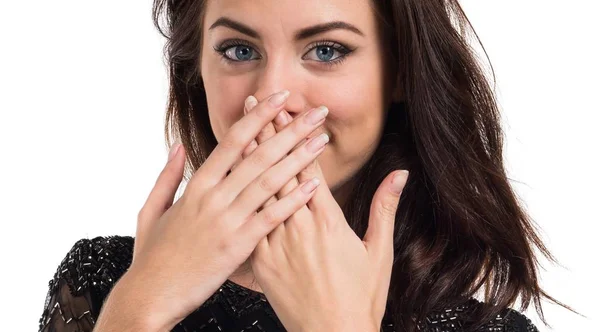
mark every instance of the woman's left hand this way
{"type": "Point", "coordinates": [316, 273]}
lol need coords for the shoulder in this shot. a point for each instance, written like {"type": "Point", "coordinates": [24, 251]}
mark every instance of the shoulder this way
{"type": "Point", "coordinates": [94, 264]}
{"type": "Point", "coordinates": [82, 281]}
{"type": "Point", "coordinates": [515, 321]}
{"type": "Point", "coordinates": [452, 319]}
{"type": "Point", "coordinates": [455, 319]}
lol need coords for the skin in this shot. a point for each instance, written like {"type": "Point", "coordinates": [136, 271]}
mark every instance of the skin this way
{"type": "Point", "coordinates": [357, 91]}
{"type": "Point", "coordinates": [311, 259]}
{"type": "Point", "coordinates": [316, 273]}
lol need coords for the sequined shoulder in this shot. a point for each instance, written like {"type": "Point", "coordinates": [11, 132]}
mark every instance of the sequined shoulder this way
{"type": "Point", "coordinates": [82, 281]}
{"type": "Point", "coordinates": [518, 322]}
{"type": "Point", "coordinates": [95, 264]}
{"type": "Point", "coordinates": [452, 320]}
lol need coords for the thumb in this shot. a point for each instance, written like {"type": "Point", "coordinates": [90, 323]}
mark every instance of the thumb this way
{"type": "Point", "coordinates": [379, 235]}
{"type": "Point", "coordinates": [161, 197]}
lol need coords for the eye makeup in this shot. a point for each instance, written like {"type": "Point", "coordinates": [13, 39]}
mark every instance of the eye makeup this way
{"type": "Point", "coordinates": [248, 49]}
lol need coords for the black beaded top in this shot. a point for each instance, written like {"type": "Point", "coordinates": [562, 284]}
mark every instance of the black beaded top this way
{"type": "Point", "coordinates": [90, 269]}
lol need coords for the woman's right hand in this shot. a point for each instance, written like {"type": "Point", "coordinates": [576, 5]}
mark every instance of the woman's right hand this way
{"type": "Point", "coordinates": [185, 251]}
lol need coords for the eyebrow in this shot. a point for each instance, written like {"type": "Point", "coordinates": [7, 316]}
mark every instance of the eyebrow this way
{"type": "Point", "coordinates": [300, 34]}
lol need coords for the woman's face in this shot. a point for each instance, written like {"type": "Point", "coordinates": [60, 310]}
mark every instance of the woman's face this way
{"type": "Point", "coordinates": [271, 45]}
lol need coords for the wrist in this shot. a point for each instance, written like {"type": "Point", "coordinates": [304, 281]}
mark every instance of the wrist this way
{"type": "Point", "coordinates": [130, 307]}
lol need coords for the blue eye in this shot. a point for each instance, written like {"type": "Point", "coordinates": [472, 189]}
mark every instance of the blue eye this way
{"type": "Point", "coordinates": [237, 50]}
{"type": "Point", "coordinates": [239, 53]}
{"type": "Point", "coordinates": [325, 51]}
{"type": "Point", "coordinates": [328, 52]}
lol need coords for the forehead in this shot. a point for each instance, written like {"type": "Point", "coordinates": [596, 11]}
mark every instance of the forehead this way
{"type": "Point", "coordinates": [288, 16]}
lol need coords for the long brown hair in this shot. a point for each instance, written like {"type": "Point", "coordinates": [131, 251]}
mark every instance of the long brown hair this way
{"type": "Point", "coordinates": [459, 227]}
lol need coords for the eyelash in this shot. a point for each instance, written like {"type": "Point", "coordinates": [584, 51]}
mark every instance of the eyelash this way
{"type": "Point", "coordinates": [345, 51]}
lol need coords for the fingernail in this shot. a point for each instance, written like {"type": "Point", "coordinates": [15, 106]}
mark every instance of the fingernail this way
{"type": "Point", "coordinates": [279, 98]}
{"type": "Point", "coordinates": [310, 186]}
{"type": "Point", "coordinates": [317, 114]}
{"type": "Point", "coordinates": [317, 142]}
{"type": "Point", "coordinates": [399, 181]}
{"type": "Point", "coordinates": [281, 119]}
{"type": "Point", "coordinates": [249, 104]}
{"type": "Point", "coordinates": [173, 150]}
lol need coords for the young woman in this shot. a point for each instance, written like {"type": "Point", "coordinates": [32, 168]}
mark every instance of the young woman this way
{"type": "Point", "coordinates": [300, 122]}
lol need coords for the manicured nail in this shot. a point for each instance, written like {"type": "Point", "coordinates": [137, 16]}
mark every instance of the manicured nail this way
{"type": "Point", "coordinates": [399, 181]}
{"type": "Point", "coordinates": [317, 114]}
{"type": "Point", "coordinates": [317, 142]}
{"type": "Point", "coordinates": [249, 104]}
{"type": "Point", "coordinates": [310, 186]}
{"type": "Point", "coordinates": [173, 150]}
{"type": "Point", "coordinates": [281, 119]}
{"type": "Point", "coordinates": [279, 98]}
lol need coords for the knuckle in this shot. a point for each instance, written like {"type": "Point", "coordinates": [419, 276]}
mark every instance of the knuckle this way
{"type": "Point", "coordinates": [386, 209]}
{"type": "Point", "coordinates": [302, 155]}
{"type": "Point", "coordinates": [267, 131]}
{"type": "Point", "coordinates": [232, 142]}
{"type": "Point", "coordinates": [200, 181]}
{"type": "Point", "coordinates": [298, 129]}
{"type": "Point", "coordinates": [270, 216]}
{"type": "Point", "coordinates": [258, 157]}
{"type": "Point", "coordinates": [215, 199]}
{"type": "Point", "coordinates": [266, 183]}
{"type": "Point", "coordinates": [310, 170]}
{"type": "Point", "coordinates": [192, 191]}
{"type": "Point", "coordinates": [251, 147]}
{"type": "Point", "coordinates": [211, 201]}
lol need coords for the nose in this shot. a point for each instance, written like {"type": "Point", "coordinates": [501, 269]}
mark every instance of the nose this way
{"type": "Point", "coordinates": [279, 75]}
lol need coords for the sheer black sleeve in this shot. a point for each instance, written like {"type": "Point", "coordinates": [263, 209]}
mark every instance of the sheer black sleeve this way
{"type": "Point", "coordinates": [82, 281]}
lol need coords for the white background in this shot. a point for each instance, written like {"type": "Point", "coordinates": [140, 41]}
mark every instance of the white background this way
{"type": "Point", "coordinates": [82, 96]}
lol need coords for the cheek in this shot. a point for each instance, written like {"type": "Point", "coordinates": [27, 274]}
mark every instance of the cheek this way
{"type": "Point", "coordinates": [356, 117]}
{"type": "Point", "coordinates": [357, 109]}
{"type": "Point", "coordinates": [225, 98]}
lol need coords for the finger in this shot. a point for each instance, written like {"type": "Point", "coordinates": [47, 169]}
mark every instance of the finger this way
{"type": "Point", "coordinates": [280, 122]}
{"type": "Point", "coordinates": [265, 221]}
{"type": "Point", "coordinates": [379, 235]}
{"type": "Point", "coordinates": [239, 136]}
{"type": "Point", "coordinates": [161, 197]}
{"type": "Point", "coordinates": [267, 154]}
{"type": "Point", "coordinates": [379, 238]}
{"type": "Point", "coordinates": [268, 183]}
{"type": "Point", "coordinates": [267, 132]}
{"type": "Point", "coordinates": [248, 151]}
{"type": "Point", "coordinates": [261, 249]}
{"type": "Point", "coordinates": [249, 104]}
{"type": "Point", "coordinates": [323, 198]}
